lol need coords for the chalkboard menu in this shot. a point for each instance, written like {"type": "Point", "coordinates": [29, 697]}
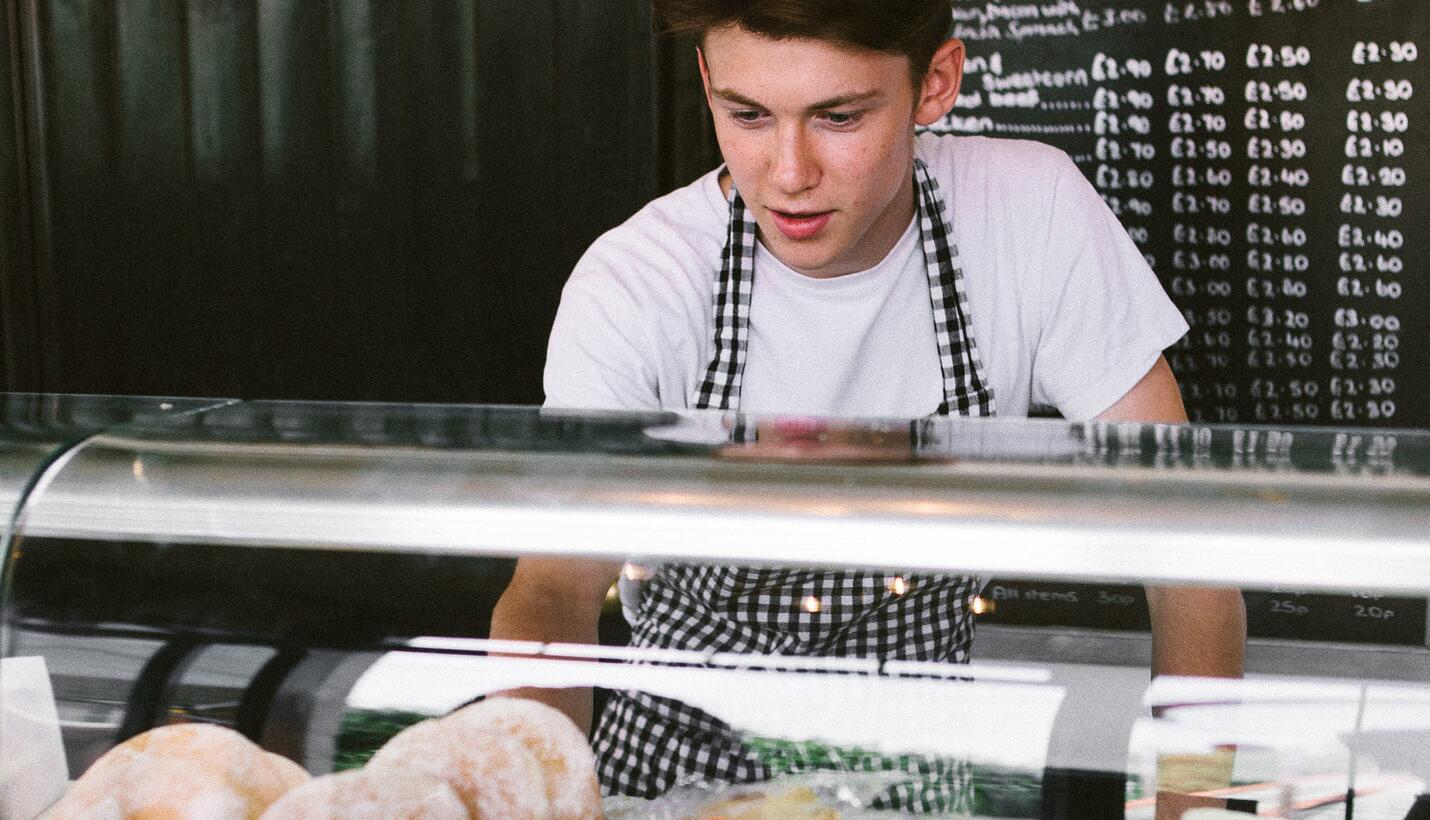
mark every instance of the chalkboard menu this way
{"type": "Point", "coordinates": [1270, 157]}
{"type": "Point", "coordinates": [1286, 614]}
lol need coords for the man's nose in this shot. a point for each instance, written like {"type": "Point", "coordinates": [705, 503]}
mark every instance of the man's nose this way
{"type": "Point", "coordinates": [794, 168]}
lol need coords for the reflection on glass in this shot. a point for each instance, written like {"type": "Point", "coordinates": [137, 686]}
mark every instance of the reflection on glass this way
{"type": "Point", "coordinates": [1299, 747]}
{"type": "Point", "coordinates": [906, 734]}
{"type": "Point", "coordinates": [320, 576]}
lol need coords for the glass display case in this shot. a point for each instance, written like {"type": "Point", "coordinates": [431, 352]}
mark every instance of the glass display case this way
{"type": "Point", "coordinates": [35, 429]}
{"type": "Point", "coordinates": [320, 576]}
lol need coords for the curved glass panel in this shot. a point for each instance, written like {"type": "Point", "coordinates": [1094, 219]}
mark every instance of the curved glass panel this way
{"type": "Point", "coordinates": [36, 430]}
{"type": "Point", "coordinates": [1149, 502]}
{"type": "Point", "coordinates": [318, 577]}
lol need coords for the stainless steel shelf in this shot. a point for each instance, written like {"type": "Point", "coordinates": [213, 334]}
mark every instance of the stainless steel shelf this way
{"type": "Point", "coordinates": [1054, 518]}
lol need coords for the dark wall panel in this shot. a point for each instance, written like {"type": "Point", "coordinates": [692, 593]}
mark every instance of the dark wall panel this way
{"type": "Point", "coordinates": [451, 246]}
{"type": "Point", "coordinates": [141, 280]}
{"type": "Point", "coordinates": [83, 339]}
{"type": "Point", "coordinates": [351, 199]}
{"type": "Point", "coordinates": [304, 155]}
{"type": "Point", "coordinates": [11, 231]}
{"type": "Point", "coordinates": [687, 136]}
{"type": "Point", "coordinates": [611, 127]}
{"type": "Point", "coordinates": [516, 61]}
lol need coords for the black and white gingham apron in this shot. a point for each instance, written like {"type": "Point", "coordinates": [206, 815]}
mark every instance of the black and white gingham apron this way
{"type": "Point", "coordinates": [645, 744]}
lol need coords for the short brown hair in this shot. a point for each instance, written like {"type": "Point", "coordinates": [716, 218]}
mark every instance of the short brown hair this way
{"type": "Point", "coordinates": [913, 28]}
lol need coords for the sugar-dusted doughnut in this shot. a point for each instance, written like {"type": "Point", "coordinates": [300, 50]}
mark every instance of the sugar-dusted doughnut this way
{"type": "Point", "coordinates": [370, 794]}
{"type": "Point", "coordinates": [157, 789]}
{"type": "Point", "coordinates": [559, 747]}
{"type": "Point", "coordinates": [490, 770]}
{"type": "Point", "coordinates": [181, 771]}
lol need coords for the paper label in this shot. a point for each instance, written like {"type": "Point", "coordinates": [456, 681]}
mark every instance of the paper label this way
{"type": "Point", "coordinates": [33, 772]}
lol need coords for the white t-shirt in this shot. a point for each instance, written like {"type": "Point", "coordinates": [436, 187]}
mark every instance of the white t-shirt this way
{"type": "Point", "coordinates": [1064, 310]}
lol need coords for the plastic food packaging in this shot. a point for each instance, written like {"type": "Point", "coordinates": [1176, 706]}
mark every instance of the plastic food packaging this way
{"type": "Point", "coordinates": [820, 795]}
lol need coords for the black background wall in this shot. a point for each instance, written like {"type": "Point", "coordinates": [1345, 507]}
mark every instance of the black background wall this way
{"type": "Point", "coordinates": [353, 199]}
{"type": "Point", "coordinates": [363, 199]}
{"type": "Point", "coordinates": [12, 257]}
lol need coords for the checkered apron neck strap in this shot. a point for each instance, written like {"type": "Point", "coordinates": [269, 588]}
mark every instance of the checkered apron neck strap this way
{"type": "Point", "coordinates": [720, 389]}
{"type": "Point", "coordinates": [966, 390]}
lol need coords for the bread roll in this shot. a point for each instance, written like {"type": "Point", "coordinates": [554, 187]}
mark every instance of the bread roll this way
{"type": "Point", "coordinates": [189, 770]}
{"type": "Point", "coordinates": [567, 764]}
{"type": "Point", "coordinates": [491, 771]}
{"type": "Point", "coordinates": [370, 794]}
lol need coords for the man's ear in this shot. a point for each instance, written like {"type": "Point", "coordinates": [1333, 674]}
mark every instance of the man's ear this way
{"type": "Point", "coordinates": [704, 71]}
{"type": "Point", "coordinates": [939, 90]}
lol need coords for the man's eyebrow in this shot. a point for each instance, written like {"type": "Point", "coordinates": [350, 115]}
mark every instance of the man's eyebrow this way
{"type": "Point", "coordinates": [823, 105]}
{"type": "Point", "coordinates": [735, 97]}
{"type": "Point", "coordinates": [844, 99]}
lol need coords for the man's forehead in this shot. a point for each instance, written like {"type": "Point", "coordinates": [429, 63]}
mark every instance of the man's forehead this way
{"type": "Point", "coordinates": [735, 36]}
{"type": "Point", "coordinates": [744, 65]}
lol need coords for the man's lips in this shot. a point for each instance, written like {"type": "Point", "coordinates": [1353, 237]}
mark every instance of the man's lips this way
{"type": "Point", "coordinates": [799, 226]}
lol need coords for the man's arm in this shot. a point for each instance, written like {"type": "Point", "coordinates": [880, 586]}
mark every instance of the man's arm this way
{"type": "Point", "coordinates": [1195, 630]}
{"type": "Point", "coordinates": [555, 600]}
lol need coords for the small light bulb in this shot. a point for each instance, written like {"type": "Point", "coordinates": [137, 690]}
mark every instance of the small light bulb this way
{"type": "Point", "coordinates": [898, 585]}
{"type": "Point", "coordinates": [636, 572]}
{"type": "Point", "coordinates": [812, 604]}
{"type": "Point", "coordinates": [980, 605]}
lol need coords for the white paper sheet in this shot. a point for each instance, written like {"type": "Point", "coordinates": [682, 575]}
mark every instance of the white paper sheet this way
{"type": "Point", "coordinates": [33, 773]}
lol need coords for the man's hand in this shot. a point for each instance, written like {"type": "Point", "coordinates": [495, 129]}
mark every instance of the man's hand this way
{"type": "Point", "coordinates": [555, 600]}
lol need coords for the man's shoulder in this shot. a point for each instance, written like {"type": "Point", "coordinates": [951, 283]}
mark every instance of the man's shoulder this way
{"type": "Point", "coordinates": [952, 156]}
{"type": "Point", "coordinates": [682, 231]}
{"type": "Point", "coordinates": [634, 312]}
{"type": "Point", "coordinates": [1005, 185]}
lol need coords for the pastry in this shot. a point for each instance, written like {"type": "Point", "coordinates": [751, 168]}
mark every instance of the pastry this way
{"type": "Point", "coordinates": [561, 749]}
{"type": "Point", "coordinates": [370, 794]}
{"type": "Point", "coordinates": [490, 770]}
{"type": "Point", "coordinates": [188, 770]}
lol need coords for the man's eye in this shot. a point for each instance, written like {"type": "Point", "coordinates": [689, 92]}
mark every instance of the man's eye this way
{"type": "Point", "coordinates": [746, 117]}
{"type": "Point", "coordinates": [841, 119]}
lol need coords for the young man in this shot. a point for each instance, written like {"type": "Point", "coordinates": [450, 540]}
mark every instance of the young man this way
{"type": "Point", "coordinates": [838, 264]}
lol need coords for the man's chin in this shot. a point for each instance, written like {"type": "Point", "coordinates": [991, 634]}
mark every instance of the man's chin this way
{"type": "Point", "coordinates": [808, 261]}
{"type": "Point", "coordinates": [810, 257]}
